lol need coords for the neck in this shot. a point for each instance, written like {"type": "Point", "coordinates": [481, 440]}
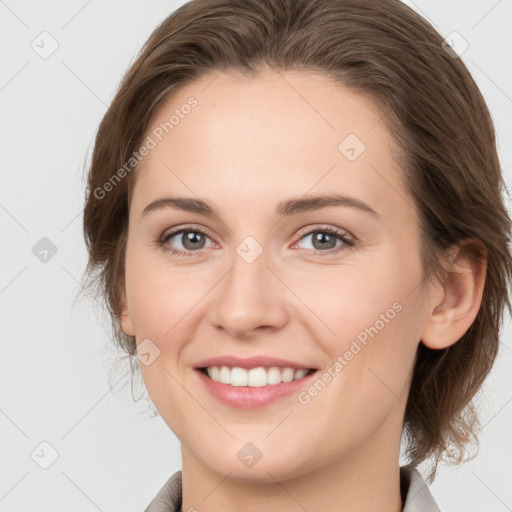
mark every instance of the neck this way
{"type": "Point", "coordinates": [368, 478]}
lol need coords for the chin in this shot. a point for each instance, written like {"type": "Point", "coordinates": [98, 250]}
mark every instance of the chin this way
{"type": "Point", "coordinates": [256, 462]}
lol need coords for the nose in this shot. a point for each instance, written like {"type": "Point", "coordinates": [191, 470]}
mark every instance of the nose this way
{"type": "Point", "coordinates": [249, 300]}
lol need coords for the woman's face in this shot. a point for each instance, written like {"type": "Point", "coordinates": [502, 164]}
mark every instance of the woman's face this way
{"type": "Point", "coordinates": [261, 276]}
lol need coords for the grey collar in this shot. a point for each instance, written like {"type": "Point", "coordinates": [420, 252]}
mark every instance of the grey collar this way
{"type": "Point", "coordinates": [415, 493]}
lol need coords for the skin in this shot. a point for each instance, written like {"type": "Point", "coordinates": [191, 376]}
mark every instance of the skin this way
{"type": "Point", "coordinates": [249, 144]}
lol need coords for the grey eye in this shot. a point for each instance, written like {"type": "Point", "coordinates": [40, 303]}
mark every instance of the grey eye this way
{"type": "Point", "coordinates": [190, 240]}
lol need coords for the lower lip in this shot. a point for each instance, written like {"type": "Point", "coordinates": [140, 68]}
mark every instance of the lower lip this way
{"type": "Point", "coordinates": [247, 397]}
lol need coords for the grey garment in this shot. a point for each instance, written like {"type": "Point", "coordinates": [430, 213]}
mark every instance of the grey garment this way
{"type": "Point", "coordinates": [418, 497]}
{"type": "Point", "coordinates": [413, 487]}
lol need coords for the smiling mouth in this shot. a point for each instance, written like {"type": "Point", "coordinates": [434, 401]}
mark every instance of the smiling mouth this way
{"type": "Point", "coordinates": [255, 377]}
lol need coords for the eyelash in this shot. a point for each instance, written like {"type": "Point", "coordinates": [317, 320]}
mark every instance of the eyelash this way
{"type": "Point", "coordinates": [162, 240]}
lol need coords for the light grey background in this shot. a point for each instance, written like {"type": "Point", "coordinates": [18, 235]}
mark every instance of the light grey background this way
{"type": "Point", "coordinates": [56, 356]}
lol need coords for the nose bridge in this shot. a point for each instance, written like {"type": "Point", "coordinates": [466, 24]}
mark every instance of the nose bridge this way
{"type": "Point", "coordinates": [248, 297]}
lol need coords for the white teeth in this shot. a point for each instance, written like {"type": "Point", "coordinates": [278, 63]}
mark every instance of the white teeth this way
{"type": "Point", "coordinates": [287, 374]}
{"type": "Point", "coordinates": [273, 376]}
{"type": "Point", "coordinates": [299, 374]}
{"type": "Point", "coordinates": [255, 377]}
{"type": "Point", "coordinates": [239, 377]}
{"type": "Point", "coordinates": [224, 375]}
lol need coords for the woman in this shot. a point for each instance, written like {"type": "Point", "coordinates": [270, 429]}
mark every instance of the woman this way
{"type": "Point", "coordinates": [336, 166]}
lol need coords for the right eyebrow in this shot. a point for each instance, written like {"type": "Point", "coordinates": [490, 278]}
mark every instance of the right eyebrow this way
{"type": "Point", "coordinates": [188, 204]}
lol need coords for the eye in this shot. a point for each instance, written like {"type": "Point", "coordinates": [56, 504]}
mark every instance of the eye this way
{"type": "Point", "coordinates": [191, 239]}
{"type": "Point", "coordinates": [324, 240]}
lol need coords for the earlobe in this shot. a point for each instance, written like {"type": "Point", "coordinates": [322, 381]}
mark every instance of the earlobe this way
{"type": "Point", "coordinates": [125, 319]}
{"type": "Point", "coordinates": [463, 287]}
{"type": "Point", "coordinates": [126, 323]}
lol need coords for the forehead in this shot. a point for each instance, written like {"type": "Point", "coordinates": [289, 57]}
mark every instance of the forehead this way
{"type": "Point", "coordinates": [263, 139]}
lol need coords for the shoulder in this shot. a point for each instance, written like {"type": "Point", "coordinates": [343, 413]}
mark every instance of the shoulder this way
{"type": "Point", "coordinates": [169, 496]}
{"type": "Point", "coordinates": [415, 492]}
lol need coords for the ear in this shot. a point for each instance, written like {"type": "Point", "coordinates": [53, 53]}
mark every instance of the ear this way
{"type": "Point", "coordinates": [454, 308]}
{"type": "Point", "coordinates": [125, 318]}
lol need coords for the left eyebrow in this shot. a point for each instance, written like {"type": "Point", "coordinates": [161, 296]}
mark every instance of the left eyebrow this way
{"type": "Point", "coordinates": [286, 208]}
{"type": "Point", "coordinates": [300, 205]}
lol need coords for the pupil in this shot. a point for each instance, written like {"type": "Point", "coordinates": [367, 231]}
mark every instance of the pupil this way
{"type": "Point", "coordinates": [191, 237]}
{"type": "Point", "coordinates": [324, 237]}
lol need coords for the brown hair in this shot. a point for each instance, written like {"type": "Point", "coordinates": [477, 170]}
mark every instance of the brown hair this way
{"type": "Point", "coordinates": [429, 102]}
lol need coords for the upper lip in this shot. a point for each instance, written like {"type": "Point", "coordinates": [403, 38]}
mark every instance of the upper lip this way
{"type": "Point", "coordinates": [250, 362]}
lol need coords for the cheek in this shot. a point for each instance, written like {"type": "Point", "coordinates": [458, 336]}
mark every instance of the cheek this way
{"type": "Point", "coordinates": [162, 301]}
{"type": "Point", "coordinates": [370, 323]}
{"type": "Point", "coordinates": [349, 299]}
{"type": "Point", "coordinates": [369, 375]}
{"type": "Point", "coordinates": [159, 296]}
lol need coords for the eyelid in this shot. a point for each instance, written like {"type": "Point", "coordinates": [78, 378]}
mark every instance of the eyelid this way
{"type": "Point", "coordinates": [174, 230]}
{"type": "Point", "coordinates": [327, 227]}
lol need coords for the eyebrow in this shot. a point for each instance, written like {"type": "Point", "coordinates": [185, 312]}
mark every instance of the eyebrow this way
{"type": "Point", "coordinates": [286, 208]}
